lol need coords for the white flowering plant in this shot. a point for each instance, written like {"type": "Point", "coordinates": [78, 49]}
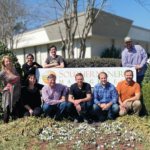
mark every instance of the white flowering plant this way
{"type": "Point", "coordinates": [76, 137]}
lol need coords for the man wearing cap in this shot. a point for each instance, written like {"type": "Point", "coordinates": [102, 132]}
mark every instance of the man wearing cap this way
{"type": "Point", "coordinates": [134, 56]}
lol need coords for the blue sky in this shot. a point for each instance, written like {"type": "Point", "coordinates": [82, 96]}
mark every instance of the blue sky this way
{"type": "Point", "coordinates": [130, 9]}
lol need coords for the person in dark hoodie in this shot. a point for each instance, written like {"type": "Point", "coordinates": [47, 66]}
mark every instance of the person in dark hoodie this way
{"type": "Point", "coordinates": [29, 67]}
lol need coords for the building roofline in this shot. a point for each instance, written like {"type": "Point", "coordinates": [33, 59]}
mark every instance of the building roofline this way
{"type": "Point", "coordinates": [119, 38]}
{"type": "Point", "coordinates": [77, 37]}
{"type": "Point", "coordinates": [33, 31]}
{"type": "Point", "coordinates": [140, 28]}
{"type": "Point", "coordinates": [122, 18]}
{"type": "Point", "coordinates": [82, 13]}
{"type": "Point", "coordinates": [49, 42]}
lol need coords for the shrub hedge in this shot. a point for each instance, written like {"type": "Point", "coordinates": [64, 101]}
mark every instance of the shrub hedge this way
{"type": "Point", "coordinates": [111, 52]}
{"type": "Point", "coordinates": [145, 98]}
{"type": "Point", "coordinates": [146, 77]}
{"type": "Point", "coordinates": [92, 62]}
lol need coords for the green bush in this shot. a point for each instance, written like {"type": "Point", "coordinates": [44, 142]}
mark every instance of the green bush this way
{"type": "Point", "coordinates": [148, 55]}
{"type": "Point", "coordinates": [5, 51]}
{"type": "Point", "coordinates": [146, 98]}
{"type": "Point", "coordinates": [92, 62]}
{"type": "Point", "coordinates": [146, 76]}
{"type": "Point", "coordinates": [111, 52]}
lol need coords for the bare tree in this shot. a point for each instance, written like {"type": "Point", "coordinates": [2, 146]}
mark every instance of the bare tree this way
{"type": "Point", "coordinates": [91, 15]}
{"type": "Point", "coordinates": [70, 19]}
{"type": "Point", "coordinates": [144, 4]}
{"type": "Point", "coordinates": [44, 12]}
{"type": "Point", "coordinates": [12, 21]}
{"type": "Point", "coordinates": [71, 15]}
{"type": "Point", "coordinates": [66, 11]}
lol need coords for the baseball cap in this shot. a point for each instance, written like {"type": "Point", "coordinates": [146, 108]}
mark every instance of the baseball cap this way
{"type": "Point", "coordinates": [127, 39]}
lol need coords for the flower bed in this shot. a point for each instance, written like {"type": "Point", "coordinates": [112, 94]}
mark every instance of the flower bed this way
{"type": "Point", "coordinates": [106, 136]}
{"type": "Point", "coordinates": [46, 134]}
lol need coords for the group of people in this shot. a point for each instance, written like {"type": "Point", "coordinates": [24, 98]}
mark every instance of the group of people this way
{"type": "Point", "coordinates": [105, 102]}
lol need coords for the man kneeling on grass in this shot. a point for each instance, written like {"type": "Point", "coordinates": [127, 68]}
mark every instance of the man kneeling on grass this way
{"type": "Point", "coordinates": [129, 95]}
{"type": "Point", "coordinates": [54, 97]}
{"type": "Point", "coordinates": [105, 99]}
{"type": "Point", "coordinates": [80, 99]}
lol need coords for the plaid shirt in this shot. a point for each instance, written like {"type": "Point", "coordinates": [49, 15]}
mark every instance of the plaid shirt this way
{"type": "Point", "coordinates": [136, 56]}
{"type": "Point", "coordinates": [53, 96]}
{"type": "Point", "coordinates": [106, 94]}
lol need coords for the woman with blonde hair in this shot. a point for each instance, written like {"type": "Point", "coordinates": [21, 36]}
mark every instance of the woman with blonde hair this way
{"type": "Point", "coordinates": [12, 89]}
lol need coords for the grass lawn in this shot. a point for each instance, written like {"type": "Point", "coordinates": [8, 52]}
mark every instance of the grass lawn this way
{"type": "Point", "coordinates": [125, 133]}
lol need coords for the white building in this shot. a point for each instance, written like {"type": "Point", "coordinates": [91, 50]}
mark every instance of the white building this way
{"type": "Point", "coordinates": [108, 30]}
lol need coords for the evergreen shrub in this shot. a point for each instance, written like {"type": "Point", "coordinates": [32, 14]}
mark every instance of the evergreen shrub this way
{"type": "Point", "coordinates": [111, 52]}
{"type": "Point", "coordinates": [146, 76]}
{"type": "Point", "coordinates": [146, 98]}
{"type": "Point", "coordinates": [92, 62]}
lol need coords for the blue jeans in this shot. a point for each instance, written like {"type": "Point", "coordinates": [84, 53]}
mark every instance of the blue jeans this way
{"type": "Point", "coordinates": [112, 110]}
{"type": "Point", "coordinates": [140, 79]}
{"type": "Point", "coordinates": [59, 109]}
{"type": "Point", "coordinates": [86, 107]}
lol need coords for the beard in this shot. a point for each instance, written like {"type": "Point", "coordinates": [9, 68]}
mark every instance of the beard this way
{"type": "Point", "coordinates": [129, 46]}
{"type": "Point", "coordinates": [129, 79]}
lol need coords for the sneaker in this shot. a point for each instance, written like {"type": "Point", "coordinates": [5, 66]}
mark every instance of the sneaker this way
{"type": "Point", "coordinates": [85, 119]}
{"type": "Point", "coordinates": [83, 116]}
{"type": "Point", "coordinates": [76, 120]}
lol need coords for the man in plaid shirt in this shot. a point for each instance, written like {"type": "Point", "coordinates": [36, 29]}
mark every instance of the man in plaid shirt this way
{"type": "Point", "coordinates": [105, 99]}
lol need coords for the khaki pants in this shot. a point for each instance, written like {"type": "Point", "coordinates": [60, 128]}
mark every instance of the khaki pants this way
{"type": "Point", "coordinates": [134, 106]}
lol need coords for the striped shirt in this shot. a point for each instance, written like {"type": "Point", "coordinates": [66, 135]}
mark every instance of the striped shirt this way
{"type": "Point", "coordinates": [53, 95]}
{"type": "Point", "coordinates": [107, 94]}
{"type": "Point", "coordinates": [136, 56]}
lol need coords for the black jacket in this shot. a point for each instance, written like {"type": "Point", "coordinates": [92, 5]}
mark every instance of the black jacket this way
{"type": "Point", "coordinates": [32, 99]}
{"type": "Point", "coordinates": [26, 67]}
